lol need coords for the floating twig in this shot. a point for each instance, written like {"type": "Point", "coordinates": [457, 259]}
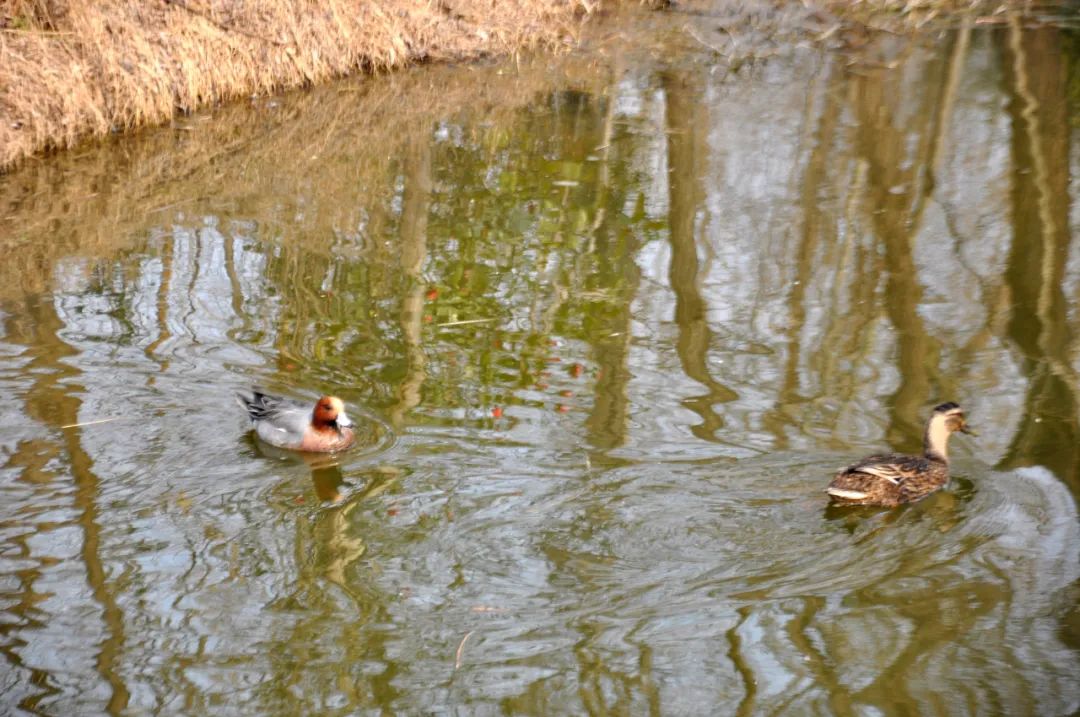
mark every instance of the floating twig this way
{"type": "Point", "coordinates": [464, 322]}
{"type": "Point", "coordinates": [461, 648]}
{"type": "Point", "coordinates": [91, 423]}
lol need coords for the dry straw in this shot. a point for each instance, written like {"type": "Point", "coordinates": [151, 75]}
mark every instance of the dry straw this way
{"type": "Point", "coordinates": [70, 69]}
{"type": "Point", "coordinates": [344, 142]}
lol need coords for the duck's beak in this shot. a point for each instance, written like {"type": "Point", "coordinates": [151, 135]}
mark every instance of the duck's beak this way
{"type": "Point", "coordinates": [343, 421]}
{"type": "Point", "coordinates": [969, 430]}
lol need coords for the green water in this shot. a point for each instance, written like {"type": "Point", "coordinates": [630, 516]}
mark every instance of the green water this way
{"type": "Point", "coordinates": [609, 323]}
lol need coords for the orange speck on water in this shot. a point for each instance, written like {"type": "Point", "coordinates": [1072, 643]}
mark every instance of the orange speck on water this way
{"type": "Point", "coordinates": [576, 370]}
{"type": "Point", "coordinates": [299, 500]}
{"type": "Point", "coordinates": [432, 294]}
{"type": "Point", "coordinates": [392, 512]}
{"type": "Point", "coordinates": [541, 385]}
{"type": "Point", "coordinates": [428, 319]}
{"type": "Point", "coordinates": [566, 392]}
{"type": "Point", "coordinates": [497, 412]}
{"type": "Point", "coordinates": [562, 408]}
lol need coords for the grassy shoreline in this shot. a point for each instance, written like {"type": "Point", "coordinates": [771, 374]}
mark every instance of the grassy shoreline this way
{"type": "Point", "coordinates": [71, 70]}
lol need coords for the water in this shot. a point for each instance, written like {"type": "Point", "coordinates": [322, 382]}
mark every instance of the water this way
{"type": "Point", "coordinates": [610, 323]}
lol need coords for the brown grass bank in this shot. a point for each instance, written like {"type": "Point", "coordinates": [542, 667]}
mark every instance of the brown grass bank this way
{"type": "Point", "coordinates": [341, 144]}
{"type": "Point", "coordinates": [71, 69]}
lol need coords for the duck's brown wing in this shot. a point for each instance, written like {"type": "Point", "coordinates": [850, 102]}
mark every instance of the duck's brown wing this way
{"type": "Point", "coordinates": [878, 479]}
{"type": "Point", "coordinates": [893, 467]}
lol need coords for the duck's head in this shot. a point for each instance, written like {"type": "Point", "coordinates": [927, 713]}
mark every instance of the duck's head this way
{"type": "Point", "coordinates": [330, 413]}
{"type": "Point", "coordinates": [950, 417]}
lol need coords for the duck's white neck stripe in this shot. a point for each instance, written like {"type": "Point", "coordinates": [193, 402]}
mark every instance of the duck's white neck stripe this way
{"type": "Point", "coordinates": [936, 441]}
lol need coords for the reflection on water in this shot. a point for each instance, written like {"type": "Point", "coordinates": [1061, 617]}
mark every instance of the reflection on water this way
{"type": "Point", "coordinates": [617, 324]}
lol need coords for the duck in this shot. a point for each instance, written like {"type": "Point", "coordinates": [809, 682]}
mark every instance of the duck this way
{"type": "Point", "coordinates": [892, 479]}
{"type": "Point", "coordinates": [285, 423]}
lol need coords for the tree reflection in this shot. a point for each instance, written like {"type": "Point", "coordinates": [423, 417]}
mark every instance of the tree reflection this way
{"type": "Point", "coordinates": [687, 123]}
{"type": "Point", "coordinates": [896, 191]}
{"type": "Point", "coordinates": [54, 405]}
{"type": "Point", "coordinates": [1036, 80]}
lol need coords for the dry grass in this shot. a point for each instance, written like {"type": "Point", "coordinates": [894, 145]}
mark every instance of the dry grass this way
{"type": "Point", "coordinates": [343, 142]}
{"type": "Point", "coordinates": [69, 69]}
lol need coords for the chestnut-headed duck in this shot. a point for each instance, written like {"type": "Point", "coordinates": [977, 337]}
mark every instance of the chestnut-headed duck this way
{"type": "Point", "coordinates": [288, 424]}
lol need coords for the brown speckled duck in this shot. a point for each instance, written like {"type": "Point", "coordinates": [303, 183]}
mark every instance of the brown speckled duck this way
{"type": "Point", "coordinates": [894, 478]}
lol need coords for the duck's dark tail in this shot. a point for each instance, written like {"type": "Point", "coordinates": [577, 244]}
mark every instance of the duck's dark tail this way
{"type": "Point", "coordinates": [256, 404]}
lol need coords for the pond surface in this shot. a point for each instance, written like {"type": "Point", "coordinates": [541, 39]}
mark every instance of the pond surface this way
{"type": "Point", "coordinates": [609, 323]}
